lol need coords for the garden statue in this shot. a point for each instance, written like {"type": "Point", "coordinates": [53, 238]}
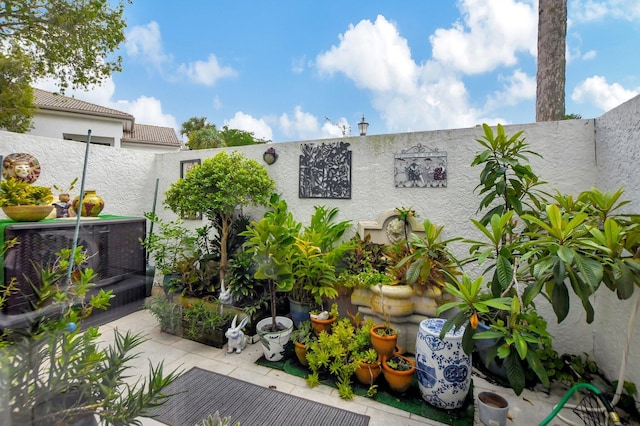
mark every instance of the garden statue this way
{"type": "Point", "coordinates": [237, 339]}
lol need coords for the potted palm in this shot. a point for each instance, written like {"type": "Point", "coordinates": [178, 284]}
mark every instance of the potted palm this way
{"type": "Point", "coordinates": [24, 202]}
{"type": "Point", "coordinates": [270, 241]}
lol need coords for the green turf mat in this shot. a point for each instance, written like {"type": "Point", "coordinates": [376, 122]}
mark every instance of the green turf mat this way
{"type": "Point", "coordinates": [411, 401]}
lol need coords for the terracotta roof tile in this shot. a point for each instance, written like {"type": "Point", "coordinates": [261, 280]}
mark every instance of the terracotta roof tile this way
{"type": "Point", "coordinates": [53, 101]}
{"type": "Point", "coordinates": [139, 133]}
{"type": "Point", "coordinates": [152, 134]}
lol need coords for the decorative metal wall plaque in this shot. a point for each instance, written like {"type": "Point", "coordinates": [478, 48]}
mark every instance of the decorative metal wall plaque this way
{"type": "Point", "coordinates": [325, 171]}
{"type": "Point", "coordinates": [420, 167]}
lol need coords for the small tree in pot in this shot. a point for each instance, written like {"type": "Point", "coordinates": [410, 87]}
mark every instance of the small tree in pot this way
{"type": "Point", "coordinates": [217, 188]}
{"type": "Point", "coordinates": [270, 240]}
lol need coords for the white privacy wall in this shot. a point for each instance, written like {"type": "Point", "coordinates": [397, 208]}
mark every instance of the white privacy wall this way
{"type": "Point", "coordinates": [576, 155]}
{"type": "Point", "coordinates": [124, 178]}
{"type": "Point", "coordinates": [618, 156]}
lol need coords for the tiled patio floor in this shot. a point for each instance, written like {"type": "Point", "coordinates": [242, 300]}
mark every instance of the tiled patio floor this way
{"type": "Point", "coordinates": [530, 408]}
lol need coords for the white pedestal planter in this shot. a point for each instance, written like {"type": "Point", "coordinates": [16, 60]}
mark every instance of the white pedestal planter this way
{"type": "Point", "coordinates": [273, 342]}
{"type": "Point", "coordinates": [444, 370]}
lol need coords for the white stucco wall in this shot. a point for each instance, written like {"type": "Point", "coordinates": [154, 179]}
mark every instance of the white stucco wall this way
{"type": "Point", "coordinates": [124, 178]}
{"type": "Point", "coordinates": [576, 155]}
{"type": "Point", "coordinates": [618, 156]}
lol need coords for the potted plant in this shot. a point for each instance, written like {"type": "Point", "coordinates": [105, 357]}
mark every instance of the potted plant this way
{"type": "Point", "coordinates": [56, 372]}
{"type": "Point", "coordinates": [270, 241]}
{"type": "Point", "coordinates": [314, 258]}
{"type": "Point", "coordinates": [302, 336]}
{"type": "Point", "coordinates": [332, 354]}
{"type": "Point", "coordinates": [363, 354]}
{"type": "Point", "coordinates": [536, 244]}
{"type": "Point", "coordinates": [171, 244]}
{"type": "Point", "coordinates": [63, 205]}
{"type": "Point", "coordinates": [398, 372]}
{"type": "Point", "coordinates": [217, 188]}
{"type": "Point", "coordinates": [384, 337]}
{"type": "Point", "coordinates": [324, 320]}
{"type": "Point", "coordinates": [24, 202]}
{"type": "Point", "coordinates": [362, 266]}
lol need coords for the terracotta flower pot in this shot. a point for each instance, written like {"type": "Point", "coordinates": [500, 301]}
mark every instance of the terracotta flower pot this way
{"type": "Point", "coordinates": [398, 381]}
{"type": "Point", "coordinates": [301, 353]}
{"type": "Point", "coordinates": [367, 374]}
{"type": "Point", "coordinates": [320, 325]}
{"type": "Point", "coordinates": [384, 345]}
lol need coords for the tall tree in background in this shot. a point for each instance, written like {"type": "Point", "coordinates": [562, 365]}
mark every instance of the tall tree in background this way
{"type": "Point", "coordinates": [203, 135]}
{"type": "Point", "coordinates": [552, 37]}
{"type": "Point", "coordinates": [16, 94]}
{"type": "Point", "coordinates": [67, 40]}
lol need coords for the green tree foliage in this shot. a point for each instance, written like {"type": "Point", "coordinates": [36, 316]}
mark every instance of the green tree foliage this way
{"type": "Point", "coordinates": [205, 138]}
{"type": "Point", "coordinates": [16, 94]}
{"type": "Point", "coordinates": [193, 124]}
{"type": "Point", "coordinates": [235, 137]}
{"type": "Point", "coordinates": [68, 40]}
{"type": "Point", "coordinates": [203, 135]}
{"type": "Point", "coordinates": [218, 187]}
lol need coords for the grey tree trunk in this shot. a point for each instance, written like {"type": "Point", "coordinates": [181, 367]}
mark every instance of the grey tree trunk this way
{"type": "Point", "coordinates": [550, 79]}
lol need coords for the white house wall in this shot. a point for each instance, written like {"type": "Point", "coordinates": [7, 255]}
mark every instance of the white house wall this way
{"type": "Point", "coordinates": [47, 124]}
{"type": "Point", "coordinates": [569, 149]}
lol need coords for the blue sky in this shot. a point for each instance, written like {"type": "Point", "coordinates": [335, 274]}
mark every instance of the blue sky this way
{"type": "Point", "coordinates": [297, 70]}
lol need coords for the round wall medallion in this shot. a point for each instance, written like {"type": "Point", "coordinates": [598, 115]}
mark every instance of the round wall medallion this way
{"type": "Point", "coordinates": [21, 166]}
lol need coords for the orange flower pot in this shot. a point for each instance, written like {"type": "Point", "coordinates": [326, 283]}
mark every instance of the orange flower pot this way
{"type": "Point", "coordinates": [301, 353]}
{"type": "Point", "coordinates": [383, 344]}
{"type": "Point", "coordinates": [320, 325]}
{"type": "Point", "coordinates": [367, 374]}
{"type": "Point", "coordinates": [398, 381]}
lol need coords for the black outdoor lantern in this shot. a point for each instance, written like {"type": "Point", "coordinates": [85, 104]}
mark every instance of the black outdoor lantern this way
{"type": "Point", "coordinates": [363, 126]}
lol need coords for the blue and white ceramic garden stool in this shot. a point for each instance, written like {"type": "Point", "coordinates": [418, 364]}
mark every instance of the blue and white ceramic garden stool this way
{"type": "Point", "coordinates": [444, 370]}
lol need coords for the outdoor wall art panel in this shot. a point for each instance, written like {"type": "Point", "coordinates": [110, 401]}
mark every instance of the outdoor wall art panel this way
{"type": "Point", "coordinates": [325, 170]}
{"type": "Point", "coordinates": [420, 167]}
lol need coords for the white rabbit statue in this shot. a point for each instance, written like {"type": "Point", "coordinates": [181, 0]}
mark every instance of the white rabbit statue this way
{"type": "Point", "coordinates": [237, 339]}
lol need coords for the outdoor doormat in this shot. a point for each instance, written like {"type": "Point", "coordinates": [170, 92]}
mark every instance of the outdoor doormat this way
{"type": "Point", "coordinates": [411, 401]}
{"type": "Point", "coordinates": [199, 393]}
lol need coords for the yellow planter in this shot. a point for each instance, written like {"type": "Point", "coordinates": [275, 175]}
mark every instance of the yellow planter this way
{"type": "Point", "coordinates": [397, 300]}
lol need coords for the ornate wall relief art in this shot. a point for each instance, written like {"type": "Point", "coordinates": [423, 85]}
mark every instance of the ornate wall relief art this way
{"type": "Point", "coordinates": [420, 167]}
{"type": "Point", "coordinates": [325, 170]}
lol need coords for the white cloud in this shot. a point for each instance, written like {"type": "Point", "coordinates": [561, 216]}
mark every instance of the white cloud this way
{"type": "Point", "coordinates": [298, 64]}
{"type": "Point", "coordinates": [518, 86]}
{"type": "Point", "coordinates": [590, 55]}
{"type": "Point", "coordinates": [597, 10]}
{"type": "Point", "coordinates": [490, 34]}
{"type": "Point", "coordinates": [302, 125]}
{"type": "Point", "coordinates": [259, 127]}
{"type": "Point", "coordinates": [373, 55]}
{"type": "Point", "coordinates": [145, 41]}
{"type": "Point", "coordinates": [148, 110]}
{"type": "Point", "coordinates": [217, 103]}
{"type": "Point", "coordinates": [595, 90]}
{"type": "Point", "coordinates": [412, 97]}
{"type": "Point", "coordinates": [206, 72]}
